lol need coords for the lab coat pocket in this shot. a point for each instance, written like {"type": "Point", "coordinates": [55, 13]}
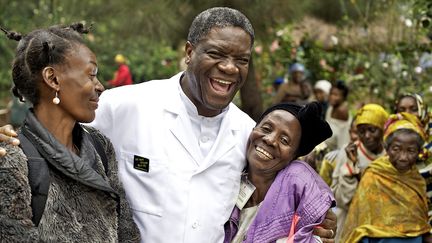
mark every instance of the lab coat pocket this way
{"type": "Point", "coordinates": [143, 179]}
{"type": "Point", "coordinates": [234, 178]}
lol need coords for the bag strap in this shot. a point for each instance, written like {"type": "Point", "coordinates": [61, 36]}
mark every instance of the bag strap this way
{"type": "Point", "coordinates": [38, 176]}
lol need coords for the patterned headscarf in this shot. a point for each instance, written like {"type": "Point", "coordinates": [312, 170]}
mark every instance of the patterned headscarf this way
{"type": "Point", "coordinates": [372, 114]}
{"type": "Point", "coordinates": [421, 106]}
{"type": "Point", "coordinates": [403, 120]}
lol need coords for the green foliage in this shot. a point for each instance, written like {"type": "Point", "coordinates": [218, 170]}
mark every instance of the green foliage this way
{"type": "Point", "coordinates": [134, 29]}
{"type": "Point", "coordinates": [151, 35]}
{"type": "Point", "coordinates": [375, 72]}
{"type": "Point", "coordinates": [147, 32]}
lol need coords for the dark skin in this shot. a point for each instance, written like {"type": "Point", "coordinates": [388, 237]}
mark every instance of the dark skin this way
{"type": "Point", "coordinates": [353, 132]}
{"type": "Point", "coordinates": [408, 104]}
{"type": "Point", "coordinates": [78, 88]}
{"type": "Point", "coordinates": [217, 69]}
{"type": "Point", "coordinates": [319, 95]}
{"type": "Point", "coordinates": [272, 145]}
{"type": "Point", "coordinates": [340, 109]}
{"type": "Point", "coordinates": [370, 136]}
{"type": "Point", "coordinates": [403, 151]}
{"type": "Point", "coordinates": [297, 76]}
{"type": "Point", "coordinates": [8, 134]}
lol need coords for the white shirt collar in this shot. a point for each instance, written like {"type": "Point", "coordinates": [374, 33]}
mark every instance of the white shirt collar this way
{"type": "Point", "coordinates": [192, 110]}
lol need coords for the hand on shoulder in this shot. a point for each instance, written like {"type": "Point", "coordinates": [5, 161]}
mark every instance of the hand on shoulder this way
{"type": "Point", "coordinates": [8, 134]}
{"type": "Point", "coordinates": [327, 230]}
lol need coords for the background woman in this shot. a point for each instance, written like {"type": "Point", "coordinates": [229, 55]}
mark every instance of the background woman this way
{"type": "Point", "coordinates": [351, 161]}
{"type": "Point", "coordinates": [69, 189]}
{"type": "Point", "coordinates": [413, 104]}
{"type": "Point", "coordinates": [337, 115]}
{"type": "Point", "coordinates": [390, 204]}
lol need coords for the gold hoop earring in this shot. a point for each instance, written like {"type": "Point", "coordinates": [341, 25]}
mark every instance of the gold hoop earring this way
{"type": "Point", "coordinates": [56, 99]}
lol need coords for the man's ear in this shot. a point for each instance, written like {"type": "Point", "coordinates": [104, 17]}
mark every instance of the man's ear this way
{"type": "Point", "coordinates": [188, 49]}
{"type": "Point", "coordinates": [49, 76]}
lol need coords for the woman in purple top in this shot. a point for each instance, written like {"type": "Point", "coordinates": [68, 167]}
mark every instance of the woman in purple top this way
{"type": "Point", "coordinates": [281, 199]}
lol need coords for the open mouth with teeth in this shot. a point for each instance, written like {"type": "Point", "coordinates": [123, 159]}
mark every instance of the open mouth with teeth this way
{"type": "Point", "coordinates": [221, 86]}
{"type": "Point", "coordinates": [263, 154]}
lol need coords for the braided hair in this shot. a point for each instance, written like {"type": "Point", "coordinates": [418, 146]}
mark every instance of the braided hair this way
{"type": "Point", "coordinates": [37, 50]}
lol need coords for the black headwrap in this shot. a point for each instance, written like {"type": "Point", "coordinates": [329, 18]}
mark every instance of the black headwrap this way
{"type": "Point", "coordinates": [314, 129]}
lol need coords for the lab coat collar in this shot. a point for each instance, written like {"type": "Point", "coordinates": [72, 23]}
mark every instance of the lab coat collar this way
{"type": "Point", "coordinates": [174, 103]}
{"type": "Point", "coordinates": [182, 126]}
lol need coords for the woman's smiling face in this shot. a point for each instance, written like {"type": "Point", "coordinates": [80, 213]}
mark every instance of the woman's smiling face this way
{"type": "Point", "coordinates": [273, 143]}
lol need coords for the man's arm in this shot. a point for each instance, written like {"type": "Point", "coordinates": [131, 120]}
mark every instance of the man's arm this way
{"type": "Point", "coordinates": [328, 228]}
{"type": "Point", "coordinates": [8, 135]}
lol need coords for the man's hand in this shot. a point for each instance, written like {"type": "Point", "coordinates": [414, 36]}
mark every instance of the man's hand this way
{"type": "Point", "coordinates": [7, 134]}
{"type": "Point", "coordinates": [327, 230]}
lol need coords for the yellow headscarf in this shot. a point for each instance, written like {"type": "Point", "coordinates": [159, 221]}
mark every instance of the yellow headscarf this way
{"type": "Point", "coordinates": [403, 120]}
{"type": "Point", "coordinates": [372, 114]}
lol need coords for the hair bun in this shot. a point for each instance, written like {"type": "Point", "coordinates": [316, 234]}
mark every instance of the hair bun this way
{"type": "Point", "coordinates": [12, 34]}
{"type": "Point", "coordinates": [80, 28]}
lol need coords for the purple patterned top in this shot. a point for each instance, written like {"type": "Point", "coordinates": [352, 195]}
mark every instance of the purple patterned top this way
{"type": "Point", "coordinates": [297, 189]}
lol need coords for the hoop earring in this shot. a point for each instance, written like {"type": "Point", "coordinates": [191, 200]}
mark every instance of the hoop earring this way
{"type": "Point", "coordinates": [56, 99]}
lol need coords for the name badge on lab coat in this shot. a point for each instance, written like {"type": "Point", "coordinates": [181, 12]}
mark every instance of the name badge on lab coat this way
{"type": "Point", "coordinates": [141, 163]}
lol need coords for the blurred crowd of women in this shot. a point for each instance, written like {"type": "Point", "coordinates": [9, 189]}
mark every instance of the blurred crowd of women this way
{"type": "Point", "coordinates": [378, 161]}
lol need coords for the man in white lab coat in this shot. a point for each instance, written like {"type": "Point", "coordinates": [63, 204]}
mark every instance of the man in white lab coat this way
{"type": "Point", "coordinates": [180, 142]}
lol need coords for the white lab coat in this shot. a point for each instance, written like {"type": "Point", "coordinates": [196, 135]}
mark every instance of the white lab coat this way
{"type": "Point", "coordinates": [184, 197]}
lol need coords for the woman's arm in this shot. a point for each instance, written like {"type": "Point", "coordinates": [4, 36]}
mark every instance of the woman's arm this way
{"type": "Point", "coordinates": [15, 196]}
{"type": "Point", "coordinates": [314, 201]}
